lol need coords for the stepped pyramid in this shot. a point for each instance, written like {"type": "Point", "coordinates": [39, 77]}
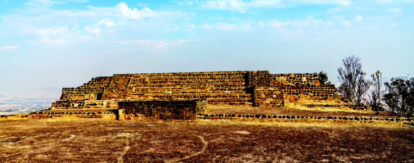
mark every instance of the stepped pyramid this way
{"type": "Point", "coordinates": [246, 88]}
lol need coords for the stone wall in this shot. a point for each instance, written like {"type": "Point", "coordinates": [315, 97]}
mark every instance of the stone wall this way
{"type": "Point", "coordinates": [251, 88]}
{"type": "Point", "coordinates": [75, 97]}
{"type": "Point", "coordinates": [268, 96]}
{"type": "Point", "coordinates": [164, 109]}
{"type": "Point", "coordinates": [217, 87]}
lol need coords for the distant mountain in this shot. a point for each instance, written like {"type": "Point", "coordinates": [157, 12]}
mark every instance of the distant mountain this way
{"type": "Point", "coordinates": [3, 97]}
{"type": "Point", "coordinates": [41, 93]}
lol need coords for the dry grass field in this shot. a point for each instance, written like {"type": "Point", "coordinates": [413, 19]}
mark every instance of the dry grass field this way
{"type": "Point", "coordinates": [292, 109]}
{"type": "Point", "coordinates": [202, 141]}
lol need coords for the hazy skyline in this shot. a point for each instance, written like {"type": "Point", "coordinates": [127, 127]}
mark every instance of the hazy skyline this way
{"type": "Point", "coordinates": [49, 44]}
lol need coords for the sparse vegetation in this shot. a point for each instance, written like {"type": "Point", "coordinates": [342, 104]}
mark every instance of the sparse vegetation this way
{"type": "Point", "coordinates": [107, 141]}
{"type": "Point", "coordinates": [353, 85]}
{"type": "Point", "coordinates": [399, 96]}
{"type": "Point", "coordinates": [323, 78]}
{"type": "Point", "coordinates": [377, 92]}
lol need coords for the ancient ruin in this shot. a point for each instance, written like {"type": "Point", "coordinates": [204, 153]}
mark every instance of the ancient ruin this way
{"type": "Point", "coordinates": [253, 88]}
{"type": "Point", "coordinates": [238, 88]}
{"type": "Point", "coordinates": [189, 95]}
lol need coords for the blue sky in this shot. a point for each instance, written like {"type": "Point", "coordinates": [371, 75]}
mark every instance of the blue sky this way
{"type": "Point", "coordinates": [50, 44]}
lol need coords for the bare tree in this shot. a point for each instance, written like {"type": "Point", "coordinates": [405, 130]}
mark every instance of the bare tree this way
{"type": "Point", "coordinates": [353, 83]}
{"type": "Point", "coordinates": [362, 87]}
{"type": "Point", "coordinates": [377, 92]}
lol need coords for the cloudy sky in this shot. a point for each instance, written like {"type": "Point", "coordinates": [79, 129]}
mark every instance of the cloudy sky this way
{"type": "Point", "coordinates": [49, 44]}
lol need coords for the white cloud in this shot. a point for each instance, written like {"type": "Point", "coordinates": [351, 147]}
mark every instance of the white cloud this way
{"type": "Point", "coordinates": [310, 22]}
{"type": "Point", "coordinates": [205, 26]}
{"type": "Point", "coordinates": [261, 24]}
{"type": "Point", "coordinates": [236, 5]}
{"type": "Point", "coordinates": [184, 2]}
{"type": "Point", "coordinates": [297, 26]}
{"type": "Point", "coordinates": [44, 3]}
{"type": "Point", "coordinates": [233, 27]}
{"type": "Point", "coordinates": [51, 31]}
{"type": "Point", "coordinates": [191, 26]}
{"type": "Point", "coordinates": [359, 18]}
{"type": "Point", "coordinates": [48, 3]}
{"type": "Point", "coordinates": [346, 23]}
{"type": "Point", "coordinates": [108, 22]}
{"type": "Point", "coordinates": [93, 30]}
{"type": "Point", "coordinates": [227, 26]}
{"type": "Point", "coordinates": [96, 28]}
{"type": "Point", "coordinates": [395, 10]}
{"type": "Point", "coordinates": [63, 35]}
{"type": "Point", "coordinates": [321, 2]}
{"type": "Point", "coordinates": [242, 6]}
{"type": "Point", "coordinates": [276, 24]}
{"type": "Point", "coordinates": [135, 13]}
{"type": "Point", "coordinates": [385, 1]}
{"type": "Point", "coordinates": [334, 11]}
{"type": "Point", "coordinates": [54, 41]}
{"type": "Point", "coordinates": [79, 1]}
{"type": "Point", "coordinates": [155, 45]}
{"type": "Point", "coordinates": [60, 26]}
{"type": "Point", "coordinates": [8, 47]}
{"type": "Point", "coordinates": [300, 23]}
{"type": "Point", "coordinates": [54, 35]}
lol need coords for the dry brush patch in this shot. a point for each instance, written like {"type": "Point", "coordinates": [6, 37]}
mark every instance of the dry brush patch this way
{"type": "Point", "coordinates": [105, 141]}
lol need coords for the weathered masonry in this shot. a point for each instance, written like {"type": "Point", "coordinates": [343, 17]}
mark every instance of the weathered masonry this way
{"type": "Point", "coordinates": [164, 109]}
{"type": "Point", "coordinates": [249, 88]}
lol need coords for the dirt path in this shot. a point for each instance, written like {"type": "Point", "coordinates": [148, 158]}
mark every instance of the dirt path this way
{"type": "Point", "coordinates": [196, 154]}
{"type": "Point", "coordinates": [126, 148]}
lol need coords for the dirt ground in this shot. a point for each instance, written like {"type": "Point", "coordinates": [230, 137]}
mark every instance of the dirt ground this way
{"type": "Point", "coordinates": [202, 141]}
{"type": "Point", "coordinates": [292, 110]}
